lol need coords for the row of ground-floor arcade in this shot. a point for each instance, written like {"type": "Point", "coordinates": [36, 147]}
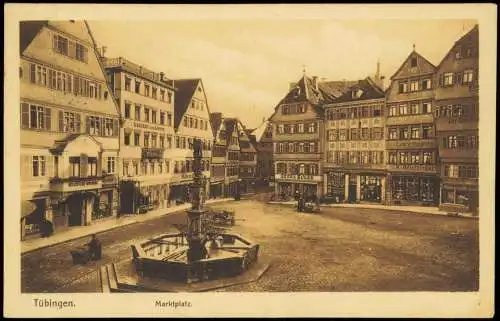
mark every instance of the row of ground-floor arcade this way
{"type": "Point", "coordinates": [58, 212]}
{"type": "Point", "coordinates": [382, 188]}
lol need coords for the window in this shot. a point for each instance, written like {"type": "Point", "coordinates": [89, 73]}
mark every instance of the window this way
{"type": "Point", "coordinates": [414, 85]}
{"type": "Point", "coordinates": [153, 140]}
{"type": "Point", "coordinates": [311, 128]}
{"type": "Point", "coordinates": [185, 121]}
{"type": "Point", "coordinates": [74, 163]}
{"type": "Point", "coordinates": [162, 118]}
{"type": "Point", "coordinates": [448, 79]}
{"type": "Point", "coordinates": [111, 165]}
{"type": "Point", "coordinates": [146, 90]}
{"type": "Point", "coordinates": [353, 157]}
{"type": "Point", "coordinates": [137, 112]}
{"type": "Point", "coordinates": [137, 86]}
{"type": "Point", "coordinates": [127, 110]}
{"type": "Point", "coordinates": [70, 122]}
{"type": "Point", "coordinates": [332, 134]}
{"type": "Point", "coordinates": [414, 158]}
{"type": "Point", "coordinates": [403, 87]}
{"type": "Point", "coordinates": [162, 141]}
{"type": "Point", "coordinates": [365, 133]}
{"type": "Point", "coordinates": [426, 84]}
{"type": "Point", "coordinates": [36, 117]}
{"type": "Point", "coordinates": [81, 52]}
{"type": "Point", "coordinates": [92, 166]}
{"type": "Point", "coordinates": [427, 131]}
{"type": "Point", "coordinates": [403, 133]}
{"type": "Point", "coordinates": [428, 156]}
{"type": "Point", "coordinates": [393, 158]}
{"type": "Point", "coordinates": [136, 138]}
{"type": "Point", "coordinates": [169, 119]}
{"type": "Point", "coordinates": [413, 62]}
{"type": "Point", "coordinates": [61, 45]}
{"type": "Point", "coordinates": [128, 83]}
{"type": "Point", "coordinates": [38, 166]}
{"type": "Point", "coordinates": [300, 128]}
{"type": "Point", "coordinates": [403, 109]}
{"type": "Point", "coordinates": [415, 132]}
{"type": "Point", "coordinates": [94, 125]}
{"type": "Point", "coordinates": [403, 157]}
{"type": "Point", "coordinates": [393, 110]}
{"type": "Point", "coordinates": [414, 109]}
{"type": "Point", "coordinates": [457, 111]}
{"type": "Point", "coordinates": [451, 142]}
{"type": "Point", "coordinates": [281, 129]}
{"type": "Point", "coordinates": [136, 168]}
{"type": "Point", "coordinates": [126, 139]}
{"type": "Point", "coordinates": [146, 139]}
{"type": "Point", "coordinates": [169, 97]}
{"type": "Point", "coordinates": [342, 134]}
{"type": "Point", "coordinates": [154, 92]}
{"type": "Point", "coordinates": [377, 111]}
{"type": "Point", "coordinates": [169, 141]}
{"type": "Point", "coordinates": [426, 108]}
{"type": "Point", "coordinates": [153, 116]}
{"type": "Point", "coordinates": [146, 114]}
{"type": "Point", "coordinates": [108, 126]}
{"type": "Point", "coordinates": [468, 76]}
{"type": "Point", "coordinates": [191, 122]}
{"type": "Point", "coordinates": [160, 167]}
{"type": "Point", "coordinates": [377, 133]}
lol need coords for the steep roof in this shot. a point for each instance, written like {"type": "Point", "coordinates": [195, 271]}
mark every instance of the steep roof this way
{"type": "Point", "coordinates": [185, 91]}
{"type": "Point", "coordinates": [243, 137]}
{"type": "Point", "coordinates": [369, 90]}
{"type": "Point", "coordinates": [332, 90]}
{"type": "Point", "coordinates": [28, 31]}
{"type": "Point", "coordinates": [215, 122]}
{"type": "Point", "coordinates": [424, 66]}
{"type": "Point", "coordinates": [260, 130]}
{"type": "Point", "coordinates": [472, 35]}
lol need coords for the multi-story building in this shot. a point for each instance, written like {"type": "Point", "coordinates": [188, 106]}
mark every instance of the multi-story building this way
{"type": "Point", "coordinates": [219, 154]}
{"type": "Point", "coordinates": [354, 169]}
{"type": "Point", "coordinates": [263, 142]}
{"type": "Point", "coordinates": [298, 136]}
{"type": "Point", "coordinates": [231, 178]}
{"type": "Point", "coordinates": [69, 128]}
{"type": "Point", "coordinates": [191, 120]}
{"type": "Point", "coordinates": [411, 141]}
{"type": "Point", "coordinates": [457, 122]}
{"type": "Point", "coordinates": [248, 160]}
{"type": "Point", "coordinates": [146, 103]}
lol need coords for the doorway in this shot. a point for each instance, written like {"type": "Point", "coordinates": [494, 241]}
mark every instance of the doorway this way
{"type": "Point", "coordinates": [352, 193]}
{"type": "Point", "coordinates": [75, 210]}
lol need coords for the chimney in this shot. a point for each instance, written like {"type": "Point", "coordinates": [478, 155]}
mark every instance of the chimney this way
{"type": "Point", "coordinates": [140, 70]}
{"type": "Point", "coordinates": [315, 82]}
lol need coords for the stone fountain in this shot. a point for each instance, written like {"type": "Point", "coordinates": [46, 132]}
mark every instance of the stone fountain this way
{"type": "Point", "coordinates": [203, 257]}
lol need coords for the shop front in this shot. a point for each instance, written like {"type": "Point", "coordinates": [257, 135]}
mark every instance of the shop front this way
{"type": "Point", "coordinates": [335, 186]}
{"type": "Point", "coordinates": [456, 197]}
{"type": "Point", "coordinates": [418, 190]}
{"type": "Point", "coordinates": [216, 188]}
{"type": "Point", "coordinates": [309, 186]}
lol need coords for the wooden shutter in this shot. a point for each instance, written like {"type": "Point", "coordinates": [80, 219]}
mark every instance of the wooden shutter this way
{"type": "Point", "coordinates": [48, 118]}
{"type": "Point", "coordinates": [84, 160]}
{"type": "Point", "coordinates": [68, 83]}
{"type": "Point", "coordinates": [25, 115]}
{"type": "Point", "coordinates": [76, 85]}
{"type": "Point", "coordinates": [49, 75]}
{"type": "Point", "coordinates": [33, 73]}
{"type": "Point", "coordinates": [78, 125]}
{"type": "Point", "coordinates": [115, 127]}
{"type": "Point", "coordinates": [61, 121]}
{"type": "Point", "coordinates": [72, 49]}
{"type": "Point", "coordinates": [54, 42]}
{"type": "Point", "coordinates": [87, 130]}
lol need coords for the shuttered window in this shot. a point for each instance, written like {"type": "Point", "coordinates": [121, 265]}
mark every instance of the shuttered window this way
{"type": "Point", "coordinates": [35, 116]}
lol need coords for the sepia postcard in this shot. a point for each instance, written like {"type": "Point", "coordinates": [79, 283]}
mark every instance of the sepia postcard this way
{"type": "Point", "coordinates": [249, 160]}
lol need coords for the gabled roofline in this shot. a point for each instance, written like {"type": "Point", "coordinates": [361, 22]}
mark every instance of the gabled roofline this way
{"type": "Point", "coordinates": [476, 26]}
{"type": "Point", "coordinates": [411, 53]}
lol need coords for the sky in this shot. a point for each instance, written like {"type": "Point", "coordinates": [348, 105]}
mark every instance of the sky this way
{"type": "Point", "coordinates": [247, 65]}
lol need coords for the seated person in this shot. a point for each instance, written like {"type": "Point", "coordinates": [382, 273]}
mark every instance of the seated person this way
{"type": "Point", "coordinates": [95, 249]}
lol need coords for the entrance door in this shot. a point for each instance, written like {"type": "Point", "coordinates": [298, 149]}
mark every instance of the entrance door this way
{"type": "Point", "coordinates": [75, 206]}
{"type": "Point", "coordinates": [352, 193]}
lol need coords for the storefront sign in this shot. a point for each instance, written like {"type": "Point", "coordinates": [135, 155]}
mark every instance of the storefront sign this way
{"type": "Point", "coordinates": [299, 177]}
{"type": "Point", "coordinates": [414, 167]}
{"type": "Point", "coordinates": [150, 127]}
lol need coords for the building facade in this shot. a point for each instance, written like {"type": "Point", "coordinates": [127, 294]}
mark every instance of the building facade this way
{"type": "Point", "coordinates": [247, 161]}
{"type": "Point", "coordinates": [297, 137]}
{"type": "Point", "coordinates": [146, 103]}
{"type": "Point", "coordinates": [263, 142]}
{"type": "Point", "coordinates": [191, 121]}
{"type": "Point", "coordinates": [219, 155]}
{"type": "Point", "coordinates": [457, 123]}
{"type": "Point", "coordinates": [69, 128]}
{"type": "Point", "coordinates": [412, 154]}
{"type": "Point", "coordinates": [354, 168]}
{"type": "Point", "coordinates": [232, 178]}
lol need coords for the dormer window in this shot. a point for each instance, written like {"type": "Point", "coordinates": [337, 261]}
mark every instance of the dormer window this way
{"type": "Point", "coordinates": [356, 94]}
{"type": "Point", "coordinates": [297, 91]}
{"type": "Point", "coordinates": [458, 54]}
{"type": "Point", "coordinates": [413, 62]}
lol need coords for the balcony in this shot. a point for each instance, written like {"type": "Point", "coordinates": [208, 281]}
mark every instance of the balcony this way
{"type": "Point", "coordinates": [456, 153]}
{"type": "Point", "coordinates": [151, 153]}
{"type": "Point", "coordinates": [300, 177]}
{"type": "Point", "coordinates": [411, 144]}
{"type": "Point", "coordinates": [456, 123]}
{"type": "Point", "coordinates": [415, 168]}
{"type": "Point", "coordinates": [71, 184]}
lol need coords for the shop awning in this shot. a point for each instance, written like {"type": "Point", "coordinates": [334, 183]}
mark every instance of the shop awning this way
{"type": "Point", "coordinates": [27, 208]}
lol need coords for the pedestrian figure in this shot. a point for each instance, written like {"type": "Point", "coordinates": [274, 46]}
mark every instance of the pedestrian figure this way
{"type": "Point", "coordinates": [95, 249]}
{"type": "Point", "coordinates": [46, 228]}
{"type": "Point", "coordinates": [297, 195]}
